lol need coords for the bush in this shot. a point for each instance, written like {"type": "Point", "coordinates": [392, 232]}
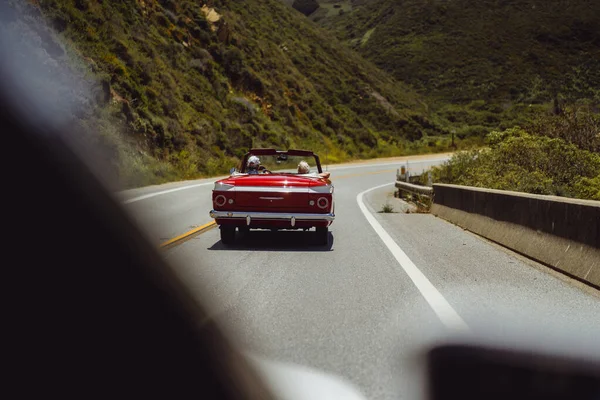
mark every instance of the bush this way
{"type": "Point", "coordinates": [161, 19]}
{"type": "Point", "coordinates": [387, 208]}
{"type": "Point", "coordinates": [519, 161]}
{"type": "Point", "coordinates": [588, 188]}
{"type": "Point", "coordinates": [233, 62]}
{"type": "Point", "coordinates": [576, 126]}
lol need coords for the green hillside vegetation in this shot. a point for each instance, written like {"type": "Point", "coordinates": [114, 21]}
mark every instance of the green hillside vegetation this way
{"type": "Point", "coordinates": [487, 64]}
{"type": "Point", "coordinates": [182, 89]}
{"type": "Point", "coordinates": [555, 156]}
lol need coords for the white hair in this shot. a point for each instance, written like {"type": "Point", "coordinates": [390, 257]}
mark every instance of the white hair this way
{"type": "Point", "coordinates": [253, 160]}
{"type": "Point", "coordinates": [303, 167]}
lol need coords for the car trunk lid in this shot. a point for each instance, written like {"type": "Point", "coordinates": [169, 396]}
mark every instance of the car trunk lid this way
{"type": "Point", "coordinates": [266, 192]}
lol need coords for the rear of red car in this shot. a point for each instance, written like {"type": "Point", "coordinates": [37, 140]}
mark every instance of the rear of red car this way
{"type": "Point", "coordinates": [277, 201]}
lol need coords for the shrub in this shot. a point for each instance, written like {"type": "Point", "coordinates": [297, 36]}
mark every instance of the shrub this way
{"type": "Point", "coordinates": [161, 19]}
{"type": "Point", "coordinates": [577, 126]}
{"type": "Point", "coordinates": [233, 62]}
{"type": "Point", "coordinates": [517, 160]}
{"type": "Point", "coordinates": [387, 208]}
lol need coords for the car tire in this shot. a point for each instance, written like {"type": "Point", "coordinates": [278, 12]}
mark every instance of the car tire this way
{"type": "Point", "coordinates": [227, 234]}
{"type": "Point", "coordinates": [322, 236]}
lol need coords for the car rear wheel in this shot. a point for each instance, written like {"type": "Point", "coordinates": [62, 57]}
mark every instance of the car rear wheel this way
{"type": "Point", "coordinates": [227, 234]}
{"type": "Point", "coordinates": [322, 236]}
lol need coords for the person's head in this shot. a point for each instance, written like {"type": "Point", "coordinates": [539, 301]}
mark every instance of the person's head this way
{"type": "Point", "coordinates": [303, 167]}
{"type": "Point", "coordinates": [253, 163]}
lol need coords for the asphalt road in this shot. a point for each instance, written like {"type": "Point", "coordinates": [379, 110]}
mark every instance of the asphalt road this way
{"type": "Point", "coordinates": [386, 287]}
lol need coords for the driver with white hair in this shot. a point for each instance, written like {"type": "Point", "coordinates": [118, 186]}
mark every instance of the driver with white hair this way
{"type": "Point", "coordinates": [253, 164]}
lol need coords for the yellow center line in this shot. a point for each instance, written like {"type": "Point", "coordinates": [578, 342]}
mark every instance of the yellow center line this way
{"type": "Point", "coordinates": [201, 229]}
{"type": "Point", "coordinates": [188, 235]}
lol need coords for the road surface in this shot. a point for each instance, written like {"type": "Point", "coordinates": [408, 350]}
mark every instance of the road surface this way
{"type": "Point", "coordinates": [387, 286]}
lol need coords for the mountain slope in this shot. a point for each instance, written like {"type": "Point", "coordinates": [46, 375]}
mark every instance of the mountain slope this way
{"type": "Point", "coordinates": [195, 85]}
{"type": "Point", "coordinates": [499, 50]}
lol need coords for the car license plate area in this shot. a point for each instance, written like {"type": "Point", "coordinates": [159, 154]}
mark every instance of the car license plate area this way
{"type": "Point", "coordinates": [268, 200]}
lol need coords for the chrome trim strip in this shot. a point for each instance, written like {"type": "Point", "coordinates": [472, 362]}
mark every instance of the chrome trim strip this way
{"type": "Point", "coordinates": [322, 189]}
{"type": "Point", "coordinates": [275, 189]}
{"type": "Point", "coordinates": [271, 198]}
{"type": "Point", "coordinates": [270, 215]}
{"type": "Point", "coordinates": [223, 187]}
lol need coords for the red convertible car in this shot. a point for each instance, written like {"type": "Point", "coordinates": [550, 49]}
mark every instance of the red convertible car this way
{"type": "Point", "coordinates": [275, 190]}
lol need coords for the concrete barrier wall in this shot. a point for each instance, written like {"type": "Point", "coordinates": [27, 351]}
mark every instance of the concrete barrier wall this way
{"type": "Point", "coordinates": [560, 232]}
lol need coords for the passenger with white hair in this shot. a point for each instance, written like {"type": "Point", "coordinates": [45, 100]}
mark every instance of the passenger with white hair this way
{"type": "Point", "coordinates": [304, 168]}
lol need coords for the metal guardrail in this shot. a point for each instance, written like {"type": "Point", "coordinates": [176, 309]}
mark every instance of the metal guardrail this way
{"type": "Point", "coordinates": [403, 183]}
{"type": "Point", "coordinates": [414, 189]}
{"type": "Point", "coordinates": [407, 180]}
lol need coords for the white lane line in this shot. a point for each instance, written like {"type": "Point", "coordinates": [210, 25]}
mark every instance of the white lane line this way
{"type": "Point", "coordinates": [147, 196]}
{"type": "Point", "coordinates": [438, 303]}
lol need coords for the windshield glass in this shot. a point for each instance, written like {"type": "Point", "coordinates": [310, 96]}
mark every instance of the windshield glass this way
{"type": "Point", "coordinates": [461, 138]}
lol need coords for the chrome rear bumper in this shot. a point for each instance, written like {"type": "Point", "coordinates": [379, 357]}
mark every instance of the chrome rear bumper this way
{"type": "Point", "coordinates": [292, 217]}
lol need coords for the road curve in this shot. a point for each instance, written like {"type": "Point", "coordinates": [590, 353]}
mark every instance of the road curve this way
{"type": "Point", "coordinates": [387, 286]}
{"type": "Point", "coordinates": [170, 210]}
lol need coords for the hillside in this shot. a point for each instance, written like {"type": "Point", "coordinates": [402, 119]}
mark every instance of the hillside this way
{"type": "Point", "coordinates": [192, 86]}
{"type": "Point", "coordinates": [499, 53]}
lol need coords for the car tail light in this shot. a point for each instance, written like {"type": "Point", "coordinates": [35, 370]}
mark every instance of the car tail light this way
{"type": "Point", "coordinates": [323, 202]}
{"type": "Point", "coordinates": [220, 200]}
